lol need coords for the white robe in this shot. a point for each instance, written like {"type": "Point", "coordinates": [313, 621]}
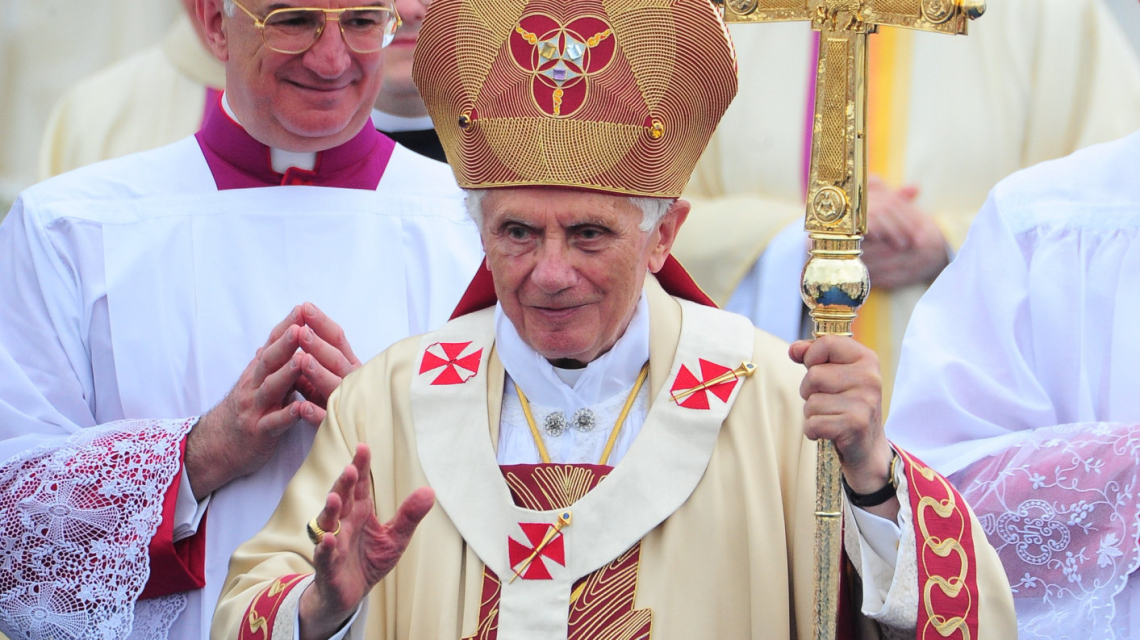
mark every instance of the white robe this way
{"type": "Point", "coordinates": [134, 288]}
{"type": "Point", "coordinates": [1020, 375]}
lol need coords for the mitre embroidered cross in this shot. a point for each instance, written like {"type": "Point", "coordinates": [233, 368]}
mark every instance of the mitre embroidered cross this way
{"type": "Point", "coordinates": [448, 356]}
{"type": "Point", "coordinates": [561, 57]}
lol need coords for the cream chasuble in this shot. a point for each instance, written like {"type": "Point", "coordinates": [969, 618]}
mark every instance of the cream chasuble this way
{"type": "Point", "coordinates": [708, 518]}
{"type": "Point", "coordinates": [1035, 80]}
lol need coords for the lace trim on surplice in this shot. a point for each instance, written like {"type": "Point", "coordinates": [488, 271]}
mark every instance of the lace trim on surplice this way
{"type": "Point", "coordinates": [76, 520]}
{"type": "Point", "coordinates": [1062, 508]}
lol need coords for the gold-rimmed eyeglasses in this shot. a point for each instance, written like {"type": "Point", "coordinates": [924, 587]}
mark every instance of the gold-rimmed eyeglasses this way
{"type": "Point", "coordinates": [295, 30]}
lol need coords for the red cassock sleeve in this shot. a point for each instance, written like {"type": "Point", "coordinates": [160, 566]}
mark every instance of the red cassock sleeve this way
{"type": "Point", "coordinates": [175, 566]}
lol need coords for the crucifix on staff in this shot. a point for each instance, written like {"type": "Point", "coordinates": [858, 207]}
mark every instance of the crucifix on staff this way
{"type": "Point", "coordinates": [835, 281]}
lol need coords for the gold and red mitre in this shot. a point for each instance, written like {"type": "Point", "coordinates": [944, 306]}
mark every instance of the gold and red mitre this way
{"type": "Point", "coordinates": [619, 96]}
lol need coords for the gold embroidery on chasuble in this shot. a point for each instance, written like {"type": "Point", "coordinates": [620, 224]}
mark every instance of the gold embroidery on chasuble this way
{"type": "Point", "coordinates": [262, 612]}
{"type": "Point", "coordinates": [947, 577]}
{"type": "Point", "coordinates": [602, 603]}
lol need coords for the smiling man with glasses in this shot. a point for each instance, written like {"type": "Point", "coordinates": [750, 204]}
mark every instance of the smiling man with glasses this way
{"type": "Point", "coordinates": [294, 30]}
{"type": "Point", "coordinates": [301, 85]}
{"type": "Point", "coordinates": [138, 291]}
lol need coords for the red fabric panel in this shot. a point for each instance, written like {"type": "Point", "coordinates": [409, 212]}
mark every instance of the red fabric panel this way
{"type": "Point", "coordinates": [480, 294]}
{"type": "Point", "coordinates": [175, 566]}
{"type": "Point", "coordinates": [262, 612]}
{"type": "Point", "coordinates": [845, 626]}
{"type": "Point", "coordinates": [677, 282]}
{"type": "Point", "coordinates": [947, 577]}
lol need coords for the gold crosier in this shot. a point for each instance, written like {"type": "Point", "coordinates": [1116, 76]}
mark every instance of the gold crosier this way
{"type": "Point", "coordinates": [835, 280]}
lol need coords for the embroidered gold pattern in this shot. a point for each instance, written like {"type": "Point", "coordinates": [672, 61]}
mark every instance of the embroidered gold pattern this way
{"type": "Point", "coordinates": [595, 40]}
{"type": "Point", "coordinates": [269, 599]}
{"type": "Point", "coordinates": [256, 622]}
{"type": "Point", "coordinates": [276, 588]}
{"type": "Point", "coordinates": [602, 605]}
{"type": "Point", "coordinates": [528, 36]}
{"type": "Point", "coordinates": [557, 485]}
{"type": "Point", "coordinates": [930, 514]}
{"type": "Point", "coordinates": [672, 63]}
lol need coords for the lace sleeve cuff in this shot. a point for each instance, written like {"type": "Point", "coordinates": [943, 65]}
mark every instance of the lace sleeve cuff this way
{"type": "Point", "coordinates": [175, 565]}
{"type": "Point", "coordinates": [78, 515]}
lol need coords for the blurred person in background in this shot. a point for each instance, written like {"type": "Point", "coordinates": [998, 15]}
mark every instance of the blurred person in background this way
{"type": "Point", "coordinates": [154, 98]}
{"type": "Point", "coordinates": [45, 48]}
{"type": "Point", "coordinates": [400, 112]}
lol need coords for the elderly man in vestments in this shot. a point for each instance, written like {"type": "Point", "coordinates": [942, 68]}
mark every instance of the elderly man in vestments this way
{"type": "Point", "coordinates": [948, 118]}
{"type": "Point", "coordinates": [141, 288]}
{"type": "Point", "coordinates": [1019, 377]}
{"type": "Point", "coordinates": [163, 94]}
{"type": "Point", "coordinates": [612, 456]}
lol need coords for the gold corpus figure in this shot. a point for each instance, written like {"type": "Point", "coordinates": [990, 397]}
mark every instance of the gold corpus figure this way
{"type": "Point", "coordinates": [835, 280]}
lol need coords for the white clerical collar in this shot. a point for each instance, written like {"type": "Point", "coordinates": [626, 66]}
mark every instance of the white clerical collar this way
{"type": "Point", "coordinates": [279, 159]}
{"type": "Point", "coordinates": [394, 124]}
{"type": "Point", "coordinates": [612, 374]}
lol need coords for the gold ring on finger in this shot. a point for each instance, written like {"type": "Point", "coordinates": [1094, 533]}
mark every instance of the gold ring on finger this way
{"type": "Point", "coordinates": [316, 533]}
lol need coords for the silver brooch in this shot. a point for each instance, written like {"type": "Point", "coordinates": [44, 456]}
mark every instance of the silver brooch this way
{"type": "Point", "coordinates": [584, 420]}
{"type": "Point", "coordinates": [555, 424]}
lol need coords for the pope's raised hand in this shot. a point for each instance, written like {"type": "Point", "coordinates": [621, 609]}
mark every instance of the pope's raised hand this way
{"type": "Point", "coordinates": [843, 394]}
{"type": "Point", "coordinates": [360, 553]}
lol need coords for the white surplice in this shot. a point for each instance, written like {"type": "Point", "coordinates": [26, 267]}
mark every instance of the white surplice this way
{"type": "Point", "coordinates": [1020, 374]}
{"type": "Point", "coordinates": [135, 288]}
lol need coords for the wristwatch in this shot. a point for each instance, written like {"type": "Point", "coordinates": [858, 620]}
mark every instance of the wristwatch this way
{"type": "Point", "coordinates": [876, 498]}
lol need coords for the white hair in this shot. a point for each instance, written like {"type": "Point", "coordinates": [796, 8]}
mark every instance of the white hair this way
{"type": "Point", "coordinates": [229, 7]}
{"type": "Point", "coordinates": [652, 209]}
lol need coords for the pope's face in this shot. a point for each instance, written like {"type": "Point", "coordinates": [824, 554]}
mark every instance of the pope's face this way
{"type": "Point", "coordinates": [310, 101]}
{"type": "Point", "coordinates": [569, 265]}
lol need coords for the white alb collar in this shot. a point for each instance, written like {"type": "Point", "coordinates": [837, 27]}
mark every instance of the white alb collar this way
{"type": "Point", "coordinates": [612, 374]}
{"type": "Point", "coordinates": [280, 160]}
{"type": "Point", "coordinates": [395, 124]}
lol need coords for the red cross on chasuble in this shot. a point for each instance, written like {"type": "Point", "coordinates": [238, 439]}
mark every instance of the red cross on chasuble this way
{"type": "Point", "coordinates": [449, 363]}
{"type": "Point", "coordinates": [545, 543]}
{"type": "Point", "coordinates": [601, 604]}
{"type": "Point", "coordinates": [691, 393]}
